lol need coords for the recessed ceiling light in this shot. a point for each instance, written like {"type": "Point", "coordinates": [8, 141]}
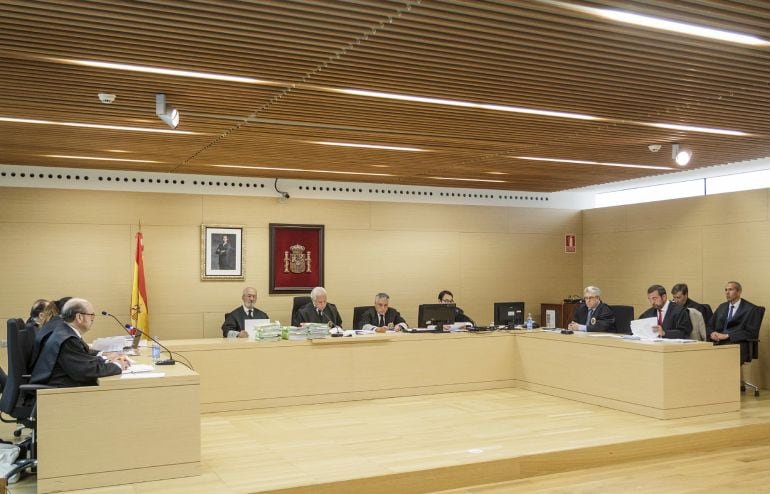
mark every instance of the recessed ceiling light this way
{"type": "Point", "coordinates": [97, 158]}
{"type": "Point", "coordinates": [302, 170]}
{"type": "Point", "coordinates": [465, 104]}
{"type": "Point", "coordinates": [586, 162]}
{"type": "Point", "coordinates": [96, 126]}
{"type": "Point", "coordinates": [496, 173]}
{"type": "Point", "coordinates": [680, 27]}
{"type": "Point", "coordinates": [116, 151]}
{"type": "Point", "coordinates": [663, 24]}
{"type": "Point", "coordinates": [162, 71]}
{"type": "Point", "coordinates": [693, 128]}
{"type": "Point", "coordinates": [380, 166]}
{"type": "Point", "coordinates": [468, 179]}
{"type": "Point", "coordinates": [370, 146]}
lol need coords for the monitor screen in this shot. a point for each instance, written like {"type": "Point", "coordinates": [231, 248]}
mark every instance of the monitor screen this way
{"type": "Point", "coordinates": [509, 313]}
{"type": "Point", "coordinates": [435, 314]}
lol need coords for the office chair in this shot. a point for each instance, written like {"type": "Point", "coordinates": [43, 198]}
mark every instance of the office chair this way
{"type": "Point", "coordinates": [750, 347]}
{"type": "Point", "coordinates": [19, 399]}
{"type": "Point", "coordinates": [299, 302]}
{"type": "Point", "coordinates": [624, 314]}
{"type": "Point", "coordinates": [357, 313]}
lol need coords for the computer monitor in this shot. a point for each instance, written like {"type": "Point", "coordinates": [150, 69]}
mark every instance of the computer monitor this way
{"type": "Point", "coordinates": [509, 313]}
{"type": "Point", "coordinates": [435, 314]}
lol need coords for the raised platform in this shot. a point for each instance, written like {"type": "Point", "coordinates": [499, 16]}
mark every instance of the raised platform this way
{"type": "Point", "coordinates": [430, 443]}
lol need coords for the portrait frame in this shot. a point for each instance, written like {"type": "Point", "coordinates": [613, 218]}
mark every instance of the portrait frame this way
{"type": "Point", "coordinates": [214, 251]}
{"type": "Point", "coordinates": [296, 257]}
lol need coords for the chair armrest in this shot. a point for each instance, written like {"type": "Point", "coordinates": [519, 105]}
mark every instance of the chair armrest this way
{"type": "Point", "coordinates": [34, 387]}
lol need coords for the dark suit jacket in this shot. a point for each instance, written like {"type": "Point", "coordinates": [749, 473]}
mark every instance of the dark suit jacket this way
{"type": "Point", "coordinates": [676, 323]}
{"type": "Point", "coordinates": [703, 309]}
{"type": "Point", "coordinates": [743, 326]}
{"type": "Point", "coordinates": [66, 361]}
{"type": "Point", "coordinates": [460, 316]}
{"type": "Point", "coordinates": [604, 318]}
{"type": "Point", "coordinates": [236, 320]}
{"type": "Point", "coordinates": [370, 316]}
{"type": "Point", "coordinates": [308, 313]}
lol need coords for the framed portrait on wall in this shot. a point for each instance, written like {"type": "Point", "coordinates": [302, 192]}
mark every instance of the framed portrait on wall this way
{"type": "Point", "coordinates": [296, 258]}
{"type": "Point", "coordinates": [222, 248]}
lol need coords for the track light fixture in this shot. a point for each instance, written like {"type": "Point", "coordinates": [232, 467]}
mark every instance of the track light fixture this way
{"type": "Point", "coordinates": [681, 156]}
{"type": "Point", "coordinates": [168, 114]}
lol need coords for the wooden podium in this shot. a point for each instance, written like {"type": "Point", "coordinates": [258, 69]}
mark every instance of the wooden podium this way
{"type": "Point", "coordinates": [563, 313]}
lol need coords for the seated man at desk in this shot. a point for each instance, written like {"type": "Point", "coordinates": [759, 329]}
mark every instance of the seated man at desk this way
{"type": "Point", "coordinates": [66, 360]}
{"type": "Point", "coordinates": [734, 321]}
{"type": "Point", "coordinates": [446, 297]}
{"type": "Point", "coordinates": [673, 320]}
{"type": "Point", "coordinates": [381, 317]}
{"type": "Point", "coordinates": [593, 315]}
{"type": "Point", "coordinates": [236, 320]}
{"type": "Point", "coordinates": [680, 295]}
{"type": "Point", "coordinates": [318, 310]}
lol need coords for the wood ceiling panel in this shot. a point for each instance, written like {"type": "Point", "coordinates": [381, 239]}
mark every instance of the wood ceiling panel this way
{"type": "Point", "coordinates": [529, 53]}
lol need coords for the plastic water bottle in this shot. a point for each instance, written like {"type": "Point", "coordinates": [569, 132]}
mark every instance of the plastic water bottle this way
{"type": "Point", "coordinates": [155, 351]}
{"type": "Point", "coordinates": [530, 322]}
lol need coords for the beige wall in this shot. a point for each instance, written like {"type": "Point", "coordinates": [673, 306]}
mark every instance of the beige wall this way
{"type": "Point", "coordinates": [66, 242]}
{"type": "Point", "coordinates": [702, 241]}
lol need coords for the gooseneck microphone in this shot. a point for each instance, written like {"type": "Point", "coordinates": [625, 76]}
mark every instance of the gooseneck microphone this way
{"type": "Point", "coordinates": [169, 361]}
{"type": "Point", "coordinates": [129, 328]}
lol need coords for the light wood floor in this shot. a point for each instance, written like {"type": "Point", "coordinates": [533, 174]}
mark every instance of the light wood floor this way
{"type": "Point", "coordinates": [430, 443]}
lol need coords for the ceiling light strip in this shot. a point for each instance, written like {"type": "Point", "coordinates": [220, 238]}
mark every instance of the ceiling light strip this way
{"type": "Point", "coordinates": [587, 162]}
{"type": "Point", "coordinates": [96, 126]}
{"type": "Point", "coordinates": [301, 170]}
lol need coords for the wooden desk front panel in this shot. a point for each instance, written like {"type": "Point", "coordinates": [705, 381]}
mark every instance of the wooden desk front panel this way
{"type": "Point", "coordinates": [246, 374]}
{"type": "Point", "coordinates": [123, 431]}
{"type": "Point", "coordinates": [654, 379]}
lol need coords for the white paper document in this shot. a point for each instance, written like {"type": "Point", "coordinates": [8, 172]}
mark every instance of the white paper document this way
{"type": "Point", "coordinates": [134, 368]}
{"type": "Point", "coordinates": [250, 325]}
{"type": "Point", "coordinates": [142, 375]}
{"type": "Point", "coordinates": [643, 328]}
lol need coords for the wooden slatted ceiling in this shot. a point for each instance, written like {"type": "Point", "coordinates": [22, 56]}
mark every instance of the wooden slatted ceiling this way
{"type": "Point", "coordinates": [533, 54]}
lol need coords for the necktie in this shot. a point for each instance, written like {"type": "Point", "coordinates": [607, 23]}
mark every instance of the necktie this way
{"type": "Point", "coordinates": [590, 315]}
{"type": "Point", "coordinates": [660, 318]}
{"type": "Point", "coordinates": [729, 316]}
{"type": "Point", "coordinates": [382, 320]}
{"type": "Point", "coordinates": [251, 314]}
{"type": "Point", "coordinates": [320, 315]}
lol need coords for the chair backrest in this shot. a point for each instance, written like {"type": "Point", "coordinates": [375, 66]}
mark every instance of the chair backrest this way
{"type": "Point", "coordinates": [298, 302]}
{"type": "Point", "coordinates": [698, 325]}
{"type": "Point", "coordinates": [21, 343]}
{"type": "Point", "coordinates": [357, 313]}
{"type": "Point", "coordinates": [624, 314]}
{"type": "Point", "coordinates": [755, 323]}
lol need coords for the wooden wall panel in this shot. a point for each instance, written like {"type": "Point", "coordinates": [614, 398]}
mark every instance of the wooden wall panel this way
{"type": "Point", "coordinates": [82, 243]}
{"type": "Point", "coordinates": [704, 242]}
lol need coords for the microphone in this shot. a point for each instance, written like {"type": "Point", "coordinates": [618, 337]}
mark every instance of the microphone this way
{"type": "Point", "coordinates": [105, 313]}
{"type": "Point", "coordinates": [169, 361]}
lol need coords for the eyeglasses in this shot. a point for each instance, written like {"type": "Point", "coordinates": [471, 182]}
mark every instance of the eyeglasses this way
{"type": "Point", "coordinates": [592, 297]}
{"type": "Point", "coordinates": [450, 301]}
{"type": "Point", "coordinates": [88, 314]}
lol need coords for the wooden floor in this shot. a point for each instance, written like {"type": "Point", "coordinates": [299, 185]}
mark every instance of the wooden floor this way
{"type": "Point", "coordinates": [496, 441]}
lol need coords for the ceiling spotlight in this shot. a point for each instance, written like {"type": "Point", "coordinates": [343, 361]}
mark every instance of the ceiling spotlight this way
{"type": "Point", "coordinates": [654, 148]}
{"type": "Point", "coordinates": [168, 114]}
{"type": "Point", "coordinates": [681, 156]}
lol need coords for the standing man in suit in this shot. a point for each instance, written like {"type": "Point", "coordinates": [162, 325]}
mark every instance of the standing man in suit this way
{"type": "Point", "coordinates": [226, 254]}
{"type": "Point", "coordinates": [381, 317]}
{"type": "Point", "coordinates": [236, 320]}
{"type": "Point", "coordinates": [593, 315]}
{"type": "Point", "coordinates": [680, 296]}
{"type": "Point", "coordinates": [66, 360]}
{"type": "Point", "coordinates": [735, 321]}
{"type": "Point", "coordinates": [319, 310]}
{"type": "Point", "coordinates": [673, 320]}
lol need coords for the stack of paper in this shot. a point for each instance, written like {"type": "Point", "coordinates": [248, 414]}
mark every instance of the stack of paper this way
{"type": "Point", "coordinates": [268, 332]}
{"type": "Point", "coordinates": [316, 331]}
{"type": "Point", "coordinates": [296, 333]}
{"type": "Point", "coordinates": [109, 344]}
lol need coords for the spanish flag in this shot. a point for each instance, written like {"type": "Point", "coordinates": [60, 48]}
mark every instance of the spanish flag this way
{"type": "Point", "coordinates": [139, 314]}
